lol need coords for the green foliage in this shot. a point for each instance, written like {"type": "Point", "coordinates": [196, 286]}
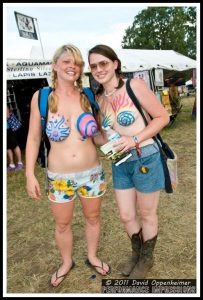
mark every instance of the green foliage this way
{"type": "Point", "coordinates": [163, 28]}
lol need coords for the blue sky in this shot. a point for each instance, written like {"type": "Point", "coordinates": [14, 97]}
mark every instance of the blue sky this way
{"type": "Point", "coordinates": [83, 25]}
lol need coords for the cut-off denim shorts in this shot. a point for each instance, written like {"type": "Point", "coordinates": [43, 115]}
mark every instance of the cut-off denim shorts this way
{"type": "Point", "coordinates": [64, 187]}
{"type": "Point", "coordinates": [127, 175]}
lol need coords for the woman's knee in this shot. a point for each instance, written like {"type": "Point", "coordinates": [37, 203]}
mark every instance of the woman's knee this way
{"type": "Point", "coordinates": [127, 217]}
{"type": "Point", "coordinates": [62, 227]}
{"type": "Point", "coordinates": [148, 216]}
{"type": "Point", "coordinates": [93, 219]}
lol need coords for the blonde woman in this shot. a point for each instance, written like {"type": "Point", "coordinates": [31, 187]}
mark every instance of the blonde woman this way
{"type": "Point", "coordinates": [74, 168]}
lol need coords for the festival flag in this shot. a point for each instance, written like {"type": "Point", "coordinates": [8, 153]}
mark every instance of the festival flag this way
{"type": "Point", "coordinates": [26, 26]}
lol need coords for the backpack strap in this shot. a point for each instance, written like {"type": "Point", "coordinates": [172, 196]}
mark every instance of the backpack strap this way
{"type": "Point", "coordinates": [42, 102]}
{"type": "Point", "coordinates": [45, 145]}
{"type": "Point", "coordinates": [94, 105]}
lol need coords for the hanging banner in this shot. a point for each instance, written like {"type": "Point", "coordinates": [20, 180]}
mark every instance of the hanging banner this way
{"type": "Point", "coordinates": [143, 75]}
{"type": "Point", "coordinates": [26, 26]}
{"type": "Point", "coordinates": [28, 69]}
{"type": "Point", "coordinates": [18, 69]}
{"type": "Point", "coordinates": [159, 77]}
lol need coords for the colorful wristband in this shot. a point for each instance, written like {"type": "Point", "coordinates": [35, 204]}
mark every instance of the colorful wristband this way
{"type": "Point", "coordinates": [137, 146]}
{"type": "Point", "coordinates": [135, 140]}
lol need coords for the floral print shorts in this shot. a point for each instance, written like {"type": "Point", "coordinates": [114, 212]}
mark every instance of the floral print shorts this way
{"type": "Point", "coordinates": [64, 187]}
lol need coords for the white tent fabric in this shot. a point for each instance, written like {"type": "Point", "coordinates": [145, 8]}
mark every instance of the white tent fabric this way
{"type": "Point", "coordinates": [189, 82]}
{"type": "Point", "coordinates": [132, 60]}
{"type": "Point", "coordinates": [135, 60]}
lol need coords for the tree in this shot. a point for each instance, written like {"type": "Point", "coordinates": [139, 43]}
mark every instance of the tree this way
{"type": "Point", "coordinates": [190, 28]}
{"type": "Point", "coordinates": [163, 28]}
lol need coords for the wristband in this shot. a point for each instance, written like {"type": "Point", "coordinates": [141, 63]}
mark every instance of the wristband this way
{"type": "Point", "coordinates": [137, 146]}
{"type": "Point", "coordinates": [136, 140]}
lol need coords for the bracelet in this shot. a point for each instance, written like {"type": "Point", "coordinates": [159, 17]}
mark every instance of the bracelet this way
{"type": "Point", "coordinates": [136, 140]}
{"type": "Point", "coordinates": [137, 145]}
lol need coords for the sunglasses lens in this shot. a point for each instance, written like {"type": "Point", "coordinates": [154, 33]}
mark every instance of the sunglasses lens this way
{"type": "Point", "coordinates": [102, 64]}
{"type": "Point", "coordinates": [93, 67]}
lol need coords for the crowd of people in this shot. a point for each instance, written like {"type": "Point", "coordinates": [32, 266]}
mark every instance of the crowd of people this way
{"type": "Point", "coordinates": [74, 166]}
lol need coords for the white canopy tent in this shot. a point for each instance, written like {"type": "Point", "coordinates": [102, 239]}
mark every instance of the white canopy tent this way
{"type": "Point", "coordinates": [136, 60]}
{"type": "Point", "coordinates": [132, 60]}
{"type": "Point", "coordinates": [20, 70]}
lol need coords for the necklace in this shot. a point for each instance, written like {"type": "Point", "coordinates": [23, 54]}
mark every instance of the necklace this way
{"type": "Point", "coordinates": [110, 93]}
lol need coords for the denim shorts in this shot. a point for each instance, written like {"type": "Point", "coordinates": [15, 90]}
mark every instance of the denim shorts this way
{"type": "Point", "coordinates": [64, 187]}
{"type": "Point", "coordinates": [127, 175]}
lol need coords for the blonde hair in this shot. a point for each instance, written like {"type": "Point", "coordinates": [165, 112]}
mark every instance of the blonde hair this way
{"type": "Point", "coordinates": [78, 61]}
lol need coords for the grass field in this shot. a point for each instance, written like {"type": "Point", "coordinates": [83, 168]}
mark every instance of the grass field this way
{"type": "Point", "coordinates": [32, 255]}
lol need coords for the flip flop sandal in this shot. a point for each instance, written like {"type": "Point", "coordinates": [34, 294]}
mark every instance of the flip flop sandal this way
{"type": "Point", "coordinates": [88, 263]}
{"type": "Point", "coordinates": [64, 275]}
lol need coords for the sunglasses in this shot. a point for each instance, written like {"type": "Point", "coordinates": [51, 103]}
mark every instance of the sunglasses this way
{"type": "Point", "coordinates": [102, 65]}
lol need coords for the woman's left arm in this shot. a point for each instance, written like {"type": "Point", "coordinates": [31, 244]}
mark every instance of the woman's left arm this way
{"type": "Point", "coordinates": [150, 103]}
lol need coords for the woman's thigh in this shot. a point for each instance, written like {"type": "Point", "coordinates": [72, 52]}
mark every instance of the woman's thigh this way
{"type": "Point", "coordinates": [91, 206]}
{"type": "Point", "coordinates": [148, 202]}
{"type": "Point", "coordinates": [126, 201]}
{"type": "Point", "coordinates": [62, 212]}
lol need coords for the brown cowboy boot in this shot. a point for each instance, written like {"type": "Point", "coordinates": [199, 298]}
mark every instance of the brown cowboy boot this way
{"type": "Point", "coordinates": [136, 246]}
{"type": "Point", "coordinates": [145, 260]}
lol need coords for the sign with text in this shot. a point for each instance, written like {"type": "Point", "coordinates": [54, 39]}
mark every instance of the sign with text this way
{"type": "Point", "coordinates": [149, 286]}
{"type": "Point", "coordinates": [26, 26]}
{"type": "Point", "coordinates": [28, 69]}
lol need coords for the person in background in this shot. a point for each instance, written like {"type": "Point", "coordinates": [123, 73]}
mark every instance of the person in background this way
{"type": "Point", "coordinates": [139, 180]}
{"type": "Point", "coordinates": [74, 168]}
{"type": "Point", "coordinates": [13, 147]}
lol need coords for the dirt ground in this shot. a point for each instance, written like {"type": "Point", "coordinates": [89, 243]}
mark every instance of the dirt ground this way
{"type": "Point", "coordinates": [32, 255]}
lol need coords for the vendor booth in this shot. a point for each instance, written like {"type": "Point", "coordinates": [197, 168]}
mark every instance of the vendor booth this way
{"type": "Point", "coordinates": [25, 76]}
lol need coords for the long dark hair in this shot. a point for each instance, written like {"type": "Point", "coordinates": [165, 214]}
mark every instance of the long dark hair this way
{"type": "Point", "coordinates": [110, 54]}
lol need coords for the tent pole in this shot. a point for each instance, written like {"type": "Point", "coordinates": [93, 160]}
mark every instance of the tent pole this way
{"type": "Point", "coordinates": [39, 37]}
{"type": "Point", "coordinates": [152, 79]}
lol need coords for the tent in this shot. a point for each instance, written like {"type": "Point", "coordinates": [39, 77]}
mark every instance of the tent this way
{"type": "Point", "coordinates": [135, 59]}
{"type": "Point", "coordinates": [132, 60]}
{"type": "Point", "coordinates": [25, 76]}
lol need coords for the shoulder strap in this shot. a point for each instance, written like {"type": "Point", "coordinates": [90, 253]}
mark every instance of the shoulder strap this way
{"type": "Point", "coordinates": [162, 146]}
{"type": "Point", "coordinates": [135, 101]}
{"type": "Point", "coordinates": [89, 93]}
{"type": "Point", "coordinates": [42, 102]}
{"type": "Point", "coordinates": [138, 106]}
{"type": "Point", "coordinates": [94, 105]}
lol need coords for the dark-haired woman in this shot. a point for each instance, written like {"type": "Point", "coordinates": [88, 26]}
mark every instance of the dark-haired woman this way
{"type": "Point", "coordinates": [139, 180]}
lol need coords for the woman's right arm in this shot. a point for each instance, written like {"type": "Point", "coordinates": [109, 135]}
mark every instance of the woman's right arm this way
{"type": "Point", "coordinates": [32, 148]}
